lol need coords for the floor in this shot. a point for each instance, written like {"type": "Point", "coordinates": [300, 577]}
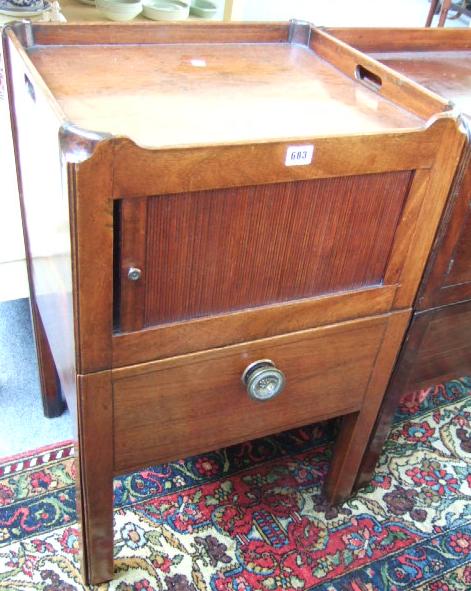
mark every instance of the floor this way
{"type": "Point", "coordinates": [22, 424]}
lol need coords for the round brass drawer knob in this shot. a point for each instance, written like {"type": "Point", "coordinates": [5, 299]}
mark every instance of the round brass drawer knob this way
{"type": "Point", "coordinates": [263, 380]}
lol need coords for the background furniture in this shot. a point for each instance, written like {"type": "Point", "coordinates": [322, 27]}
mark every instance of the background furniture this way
{"type": "Point", "coordinates": [446, 6]}
{"type": "Point", "coordinates": [216, 197]}
{"type": "Point", "coordinates": [438, 342]}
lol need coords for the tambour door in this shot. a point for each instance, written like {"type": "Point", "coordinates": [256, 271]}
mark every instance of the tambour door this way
{"type": "Point", "coordinates": [208, 253]}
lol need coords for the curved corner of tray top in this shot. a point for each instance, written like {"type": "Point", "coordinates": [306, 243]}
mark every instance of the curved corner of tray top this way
{"type": "Point", "coordinates": [78, 144]}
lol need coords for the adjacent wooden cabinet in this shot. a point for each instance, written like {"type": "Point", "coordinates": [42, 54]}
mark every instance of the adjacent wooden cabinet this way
{"type": "Point", "coordinates": [226, 229]}
{"type": "Point", "coordinates": [438, 343]}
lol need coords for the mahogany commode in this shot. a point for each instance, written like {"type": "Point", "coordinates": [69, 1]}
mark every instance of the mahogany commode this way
{"type": "Point", "coordinates": [206, 203]}
{"type": "Point", "coordinates": [438, 343]}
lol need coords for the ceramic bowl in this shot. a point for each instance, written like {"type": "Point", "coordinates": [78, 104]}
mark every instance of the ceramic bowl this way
{"type": "Point", "coordinates": [203, 8]}
{"type": "Point", "coordinates": [166, 10]}
{"type": "Point", "coordinates": [119, 10]}
{"type": "Point", "coordinates": [26, 4]}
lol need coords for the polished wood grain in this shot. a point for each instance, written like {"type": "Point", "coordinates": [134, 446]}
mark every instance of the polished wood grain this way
{"type": "Point", "coordinates": [16, 39]}
{"type": "Point", "coordinates": [149, 116]}
{"type": "Point", "coordinates": [45, 221]}
{"type": "Point", "coordinates": [445, 348]}
{"type": "Point", "coordinates": [191, 404]}
{"type": "Point", "coordinates": [131, 228]}
{"type": "Point", "coordinates": [247, 325]}
{"type": "Point", "coordinates": [271, 91]}
{"type": "Point", "coordinates": [162, 172]}
{"type": "Point", "coordinates": [145, 32]}
{"type": "Point", "coordinates": [234, 241]}
{"type": "Point", "coordinates": [92, 183]}
{"type": "Point", "coordinates": [99, 238]}
{"type": "Point", "coordinates": [44, 193]}
{"type": "Point", "coordinates": [396, 388]}
{"type": "Point", "coordinates": [383, 81]}
{"type": "Point", "coordinates": [53, 402]}
{"type": "Point", "coordinates": [356, 427]}
{"type": "Point", "coordinates": [439, 184]}
{"type": "Point", "coordinates": [437, 348]}
{"type": "Point", "coordinates": [95, 462]}
{"type": "Point", "coordinates": [155, 171]}
{"type": "Point", "coordinates": [51, 394]}
{"type": "Point", "coordinates": [438, 60]}
{"type": "Point", "coordinates": [372, 39]}
{"type": "Point", "coordinates": [444, 72]}
{"type": "Point", "coordinates": [448, 279]}
{"type": "Point", "coordinates": [460, 269]}
{"type": "Point", "coordinates": [405, 234]}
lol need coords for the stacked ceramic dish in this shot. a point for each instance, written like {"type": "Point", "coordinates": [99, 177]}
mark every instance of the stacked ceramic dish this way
{"type": "Point", "coordinates": [23, 8]}
{"type": "Point", "coordinates": [119, 10]}
{"type": "Point", "coordinates": [166, 10]}
{"type": "Point", "coordinates": [203, 8]}
{"type": "Point", "coordinates": [177, 10]}
{"type": "Point", "coordinates": [159, 10]}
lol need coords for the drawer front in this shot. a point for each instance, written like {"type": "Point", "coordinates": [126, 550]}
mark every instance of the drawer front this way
{"type": "Point", "coordinates": [194, 403]}
{"type": "Point", "coordinates": [445, 347]}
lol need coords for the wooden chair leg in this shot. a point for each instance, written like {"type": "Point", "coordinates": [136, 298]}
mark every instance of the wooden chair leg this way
{"type": "Point", "coordinates": [53, 403]}
{"type": "Point", "coordinates": [431, 12]}
{"type": "Point", "coordinates": [444, 12]}
{"type": "Point", "coordinates": [95, 482]}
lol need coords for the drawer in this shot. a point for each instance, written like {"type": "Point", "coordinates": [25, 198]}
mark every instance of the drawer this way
{"type": "Point", "coordinates": [177, 407]}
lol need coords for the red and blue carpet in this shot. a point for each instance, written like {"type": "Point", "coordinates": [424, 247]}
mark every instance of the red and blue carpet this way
{"type": "Point", "coordinates": [252, 518]}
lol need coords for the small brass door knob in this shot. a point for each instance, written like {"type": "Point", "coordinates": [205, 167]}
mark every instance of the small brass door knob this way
{"type": "Point", "coordinates": [263, 380]}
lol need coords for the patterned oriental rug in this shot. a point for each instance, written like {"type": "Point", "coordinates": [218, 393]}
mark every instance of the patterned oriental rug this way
{"type": "Point", "coordinates": [251, 517]}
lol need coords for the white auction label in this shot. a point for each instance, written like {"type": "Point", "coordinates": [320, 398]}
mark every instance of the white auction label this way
{"type": "Point", "coordinates": [299, 155]}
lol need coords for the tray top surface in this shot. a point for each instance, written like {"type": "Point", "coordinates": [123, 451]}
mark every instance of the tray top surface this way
{"type": "Point", "coordinates": [198, 94]}
{"type": "Point", "coordinates": [448, 73]}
